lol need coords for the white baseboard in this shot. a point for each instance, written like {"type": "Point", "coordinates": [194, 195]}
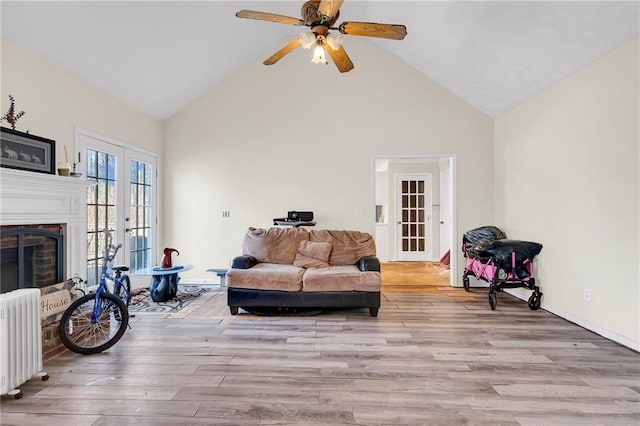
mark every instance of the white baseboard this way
{"type": "Point", "coordinates": [608, 334]}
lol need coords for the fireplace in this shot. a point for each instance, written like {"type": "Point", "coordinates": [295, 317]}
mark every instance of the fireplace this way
{"type": "Point", "coordinates": [54, 210]}
{"type": "Point", "coordinates": [55, 204]}
{"type": "Point", "coordinates": [31, 256]}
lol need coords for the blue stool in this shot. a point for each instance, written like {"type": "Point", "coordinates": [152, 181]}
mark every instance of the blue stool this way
{"type": "Point", "coordinates": [164, 287]}
{"type": "Point", "coordinates": [164, 281]}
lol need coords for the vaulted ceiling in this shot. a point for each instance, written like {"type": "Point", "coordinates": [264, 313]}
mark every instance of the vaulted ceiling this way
{"type": "Point", "coordinates": [159, 56]}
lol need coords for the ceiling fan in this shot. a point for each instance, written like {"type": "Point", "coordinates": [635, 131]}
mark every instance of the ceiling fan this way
{"type": "Point", "coordinates": [320, 16]}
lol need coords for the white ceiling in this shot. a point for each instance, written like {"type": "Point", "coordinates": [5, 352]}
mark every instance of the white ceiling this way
{"type": "Point", "coordinates": [159, 56]}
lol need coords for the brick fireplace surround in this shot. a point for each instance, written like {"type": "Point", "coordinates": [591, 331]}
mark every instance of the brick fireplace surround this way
{"type": "Point", "coordinates": [29, 198]}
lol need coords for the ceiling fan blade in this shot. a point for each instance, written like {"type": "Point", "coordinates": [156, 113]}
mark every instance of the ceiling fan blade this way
{"type": "Point", "coordinates": [329, 8]}
{"type": "Point", "coordinates": [340, 58]}
{"type": "Point", "coordinates": [371, 29]}
{"type": "Point", "coordinates": [289, 47]}
{"type": "Point", "coordinates": [272, 17]}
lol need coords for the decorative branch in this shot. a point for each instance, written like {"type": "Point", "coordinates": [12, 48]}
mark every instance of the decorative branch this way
{"type": "Point", "coordinates": [11, 117]}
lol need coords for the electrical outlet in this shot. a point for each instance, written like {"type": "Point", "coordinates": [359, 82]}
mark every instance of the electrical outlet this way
{"type": "Point", "coordinates": [226, 213]}
{"type": "Point", "coordinates": [587, 294]}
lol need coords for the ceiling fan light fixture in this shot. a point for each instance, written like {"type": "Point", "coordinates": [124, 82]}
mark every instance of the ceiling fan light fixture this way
{"type": "Point", "coordinates": [334, 40]}
{"type": "Point", "coordinates": [307, 39]}
{"type": "Point", "coordinates": [319, 55]}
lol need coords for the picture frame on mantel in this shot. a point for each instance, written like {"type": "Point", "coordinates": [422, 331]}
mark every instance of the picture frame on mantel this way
{"type": "Point", "coordinates": [24, 151]}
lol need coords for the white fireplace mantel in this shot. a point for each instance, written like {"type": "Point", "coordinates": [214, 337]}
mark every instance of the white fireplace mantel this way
{"type": "Point", "coordinates": [28, 198]}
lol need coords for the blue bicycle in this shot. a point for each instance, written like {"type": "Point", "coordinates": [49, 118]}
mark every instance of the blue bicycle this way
{"type": "Point", "coordinates": [95, 322]}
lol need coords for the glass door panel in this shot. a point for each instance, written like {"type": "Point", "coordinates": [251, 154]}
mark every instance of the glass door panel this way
{"type": "Point", "coordinates": [140, 217]}
{"type": "Point", "coordinates": [414, 217]}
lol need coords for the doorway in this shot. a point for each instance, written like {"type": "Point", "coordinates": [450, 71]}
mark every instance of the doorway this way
{"type": "Point", "coordinates": [425, 230]}
{"type": "Point", "coordinates": [123, 202]}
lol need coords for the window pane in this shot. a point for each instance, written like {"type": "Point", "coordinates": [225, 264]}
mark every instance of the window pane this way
{"type": "Point", "coordinates": [147, 196]}
{"type": "Point", "coordinates": [111, 192]}
{"type": "Point", "coordinates": [92, 170]}
{"type": "Point", "coordinates": [111, 167]}
{"type": "Point", "coordinates": [92, 213]}
{"type": "Point", "coordinates": [102, 165]}
{"type": "Point", "coordinates": [133, 171]}
{"type": "Point", "coordinates": [141, 172]}
{"type": "Point", "coordinates": [102, 192]}
{"type": "Point", "coordinates": [147, 174]}
{"type": "Point", "coordinates": [147, 217]}
{"type": "Point", "coordinates": [111, 217]}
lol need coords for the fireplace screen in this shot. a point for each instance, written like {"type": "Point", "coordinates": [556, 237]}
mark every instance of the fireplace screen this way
{"type": "Point", "coordinates": [30, 256]}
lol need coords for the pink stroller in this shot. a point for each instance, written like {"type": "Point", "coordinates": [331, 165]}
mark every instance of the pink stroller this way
{"type": "Point", "coordinates": [503, 263]}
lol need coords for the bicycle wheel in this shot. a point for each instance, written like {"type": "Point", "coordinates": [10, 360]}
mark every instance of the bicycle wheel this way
{"type": "Point", "coordinates": [124, 291]}
{"type": "Point", "coordinates": [80, 335]}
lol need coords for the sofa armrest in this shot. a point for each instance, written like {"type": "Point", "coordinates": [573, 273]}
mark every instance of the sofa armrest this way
{"type": "Point", "coordinates": [244, 262]}
{"type": "Point", "coordinates": [369, 263]}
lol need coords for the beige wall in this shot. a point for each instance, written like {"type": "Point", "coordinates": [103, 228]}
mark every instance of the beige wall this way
{"type": "Point", "coordinates": [55, 102]}
{"type": "Point", "coordinates": [567, 176]}
{"type": "Point", "coordinates": [297, 136]}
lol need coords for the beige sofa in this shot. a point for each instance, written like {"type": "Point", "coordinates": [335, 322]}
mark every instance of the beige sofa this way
{"type": "Point", "coordinates": [296, 268]}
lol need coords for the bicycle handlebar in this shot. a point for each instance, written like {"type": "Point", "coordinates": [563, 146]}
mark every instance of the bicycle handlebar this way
{"type": "Point", "coordinates": [110, 249]}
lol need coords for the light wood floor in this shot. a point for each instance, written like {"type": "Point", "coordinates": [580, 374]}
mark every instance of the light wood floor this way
{"type": "Point", "coordinates": [438, 356]}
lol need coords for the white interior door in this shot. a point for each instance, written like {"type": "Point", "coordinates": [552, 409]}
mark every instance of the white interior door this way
{"type": "Point", "coordinates": [414, 217]}
{"type": "Point", "coordinates": [122, 202]}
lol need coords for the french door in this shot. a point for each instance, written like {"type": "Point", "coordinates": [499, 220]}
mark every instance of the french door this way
{"type": "Point", "coordinates": [123, 202]}
{"type": "Point", "coordinates": [413, 217]}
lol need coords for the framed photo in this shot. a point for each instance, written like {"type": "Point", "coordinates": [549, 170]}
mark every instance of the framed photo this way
{"type": "Point", "coordinates": [27, 152]}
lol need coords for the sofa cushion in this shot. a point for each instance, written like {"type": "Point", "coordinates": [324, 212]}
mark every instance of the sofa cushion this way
{"type": "Point", "coordinates": [347, 246]}
{"type": "Point", "coordinates": [267, 276]}
{"type": "Point", "coordinates": [273, 245]}
{"type": "Point", "coordinates": [312, 254]}
{"type": "Point", "coordinates": [340, 278]}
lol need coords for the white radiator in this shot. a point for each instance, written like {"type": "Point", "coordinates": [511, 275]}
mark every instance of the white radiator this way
{"type": "Point", "coordinates": [20, 339]}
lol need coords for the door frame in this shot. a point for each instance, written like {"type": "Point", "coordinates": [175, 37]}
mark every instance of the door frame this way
{"type": "Point", "coordinates": [127, 149]}
{"type": "Point", "coordinates": [453, 276]}
{"type": "Point", "coordinates": [428, 211]}
{"type": "Point", "coordinates": [445, 210]}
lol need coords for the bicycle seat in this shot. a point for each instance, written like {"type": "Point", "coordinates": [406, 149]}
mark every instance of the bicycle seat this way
{"type": "Point", "coordinates": [120, 268]}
